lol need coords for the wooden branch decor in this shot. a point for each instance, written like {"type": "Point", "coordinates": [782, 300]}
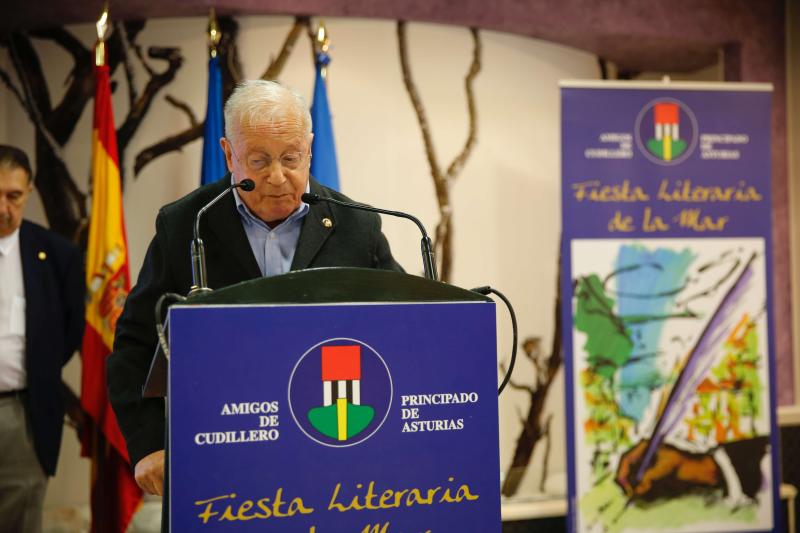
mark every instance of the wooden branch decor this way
{"type": "Point", "coordinates": [442, 181]}
{"type": "Point", "coordinates": [534, 428]}
{"type": "Point", "coordinates": [63, 201]}
{"type": "Point", "coordinates": [276, 65]}
{"type": "Point", "coordinates": [229, 63]}
{"type": "Point", "coordinates": [231, 75]}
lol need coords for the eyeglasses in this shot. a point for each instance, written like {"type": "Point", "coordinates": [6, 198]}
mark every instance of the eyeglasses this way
{"type": "Point", "coordinates": [258, 162]}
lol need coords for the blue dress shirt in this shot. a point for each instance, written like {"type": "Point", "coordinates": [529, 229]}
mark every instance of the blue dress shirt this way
{"type": "Point", "coordinates": [273, 247]}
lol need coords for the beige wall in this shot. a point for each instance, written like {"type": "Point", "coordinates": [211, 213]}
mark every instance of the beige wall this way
{"type": "Point", "coordinates": [506, 201]}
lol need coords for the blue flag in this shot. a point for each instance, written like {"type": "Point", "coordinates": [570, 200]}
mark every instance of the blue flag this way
{"type": "Point", "coordinates": [214, 166]}
{"type": "Point", "coordinates": [323, 162]}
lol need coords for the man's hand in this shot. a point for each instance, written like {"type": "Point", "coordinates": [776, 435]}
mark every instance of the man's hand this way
{"type": "Point", "coordinates": [628, 465]}
{"type": "Point", "coordinates": [149, 473]}
{"type": "Point", "coordinates": [671, 472]}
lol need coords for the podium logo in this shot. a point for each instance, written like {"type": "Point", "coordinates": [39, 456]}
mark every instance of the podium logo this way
{"type": "Point", "coordinates": [340, 392]}
{"type": "Point", "coordinates": [666, 131]}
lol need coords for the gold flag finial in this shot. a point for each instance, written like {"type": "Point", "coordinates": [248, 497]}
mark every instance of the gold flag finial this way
{"type": "Point", "coordinates": [102, 29]}
{"type": "Point", "coordinates": [322, 42]}
{"type": "Point", "coordinates": [214, 35]}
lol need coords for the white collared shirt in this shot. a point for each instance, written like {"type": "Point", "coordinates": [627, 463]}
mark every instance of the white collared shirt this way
{"type": "Point", "coordinates": [12, 315]}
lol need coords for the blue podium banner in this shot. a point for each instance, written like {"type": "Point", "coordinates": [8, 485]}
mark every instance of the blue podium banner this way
{"type": "Point", "coordinates": [666, 264]}
{"type": "Point", "coordinates": [313, 418]}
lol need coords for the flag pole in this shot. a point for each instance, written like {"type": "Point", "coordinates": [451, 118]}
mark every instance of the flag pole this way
{"type": "Point", "coordinates": [102, 28]}
{"type": "Point", "coordinates": [213, 33]}
{"type": "Point", "coordinates": [114, 494]}
{"type": "Point", "coordinates": [322, 43]}
{"type": "Point", "coordinates": [323, 162]}
{"type": "Point", "coordinates": [213, 165]}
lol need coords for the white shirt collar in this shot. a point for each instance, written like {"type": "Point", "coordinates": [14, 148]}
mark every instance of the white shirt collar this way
{"type": "Point", "coordinates": [8, 243]}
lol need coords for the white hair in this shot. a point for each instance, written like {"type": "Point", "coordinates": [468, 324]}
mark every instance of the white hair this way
{"type": "Point", "coordinates": [264, 102]}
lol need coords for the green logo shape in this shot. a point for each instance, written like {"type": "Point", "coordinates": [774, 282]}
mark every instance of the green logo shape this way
{"type": "Point", "coordinates": [326, 419]}
{"type": "Point", "coordinates": [656, 148]}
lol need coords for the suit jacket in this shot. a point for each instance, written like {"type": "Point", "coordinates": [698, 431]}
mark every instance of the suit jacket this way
{"type": "Point", "coordinates": [354, 239]}
{"type": "Point", "coordinates": [54, 322]}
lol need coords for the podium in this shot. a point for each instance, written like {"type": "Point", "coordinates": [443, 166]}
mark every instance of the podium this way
{"type": "Point", "coordinates": [335, 399]}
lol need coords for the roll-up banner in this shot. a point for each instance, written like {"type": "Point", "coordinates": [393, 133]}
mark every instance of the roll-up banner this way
{"type": "Point", "coordinates": [667, 312]}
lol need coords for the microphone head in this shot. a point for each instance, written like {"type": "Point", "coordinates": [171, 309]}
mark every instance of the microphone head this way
{"type": "Point", "coordinates": [247, 184]}
{"type": "Point", "coordinates": [310, 198]}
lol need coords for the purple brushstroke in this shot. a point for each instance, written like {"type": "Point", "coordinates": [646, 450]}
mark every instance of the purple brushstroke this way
{"type": "Point", "coordinates": [697, 366]}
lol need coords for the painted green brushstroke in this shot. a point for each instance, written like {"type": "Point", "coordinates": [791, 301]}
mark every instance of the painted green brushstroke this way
{"type": "Point", "coordinates": [605, 503]}
{"type": "Point", "coordinates": [608, 344]}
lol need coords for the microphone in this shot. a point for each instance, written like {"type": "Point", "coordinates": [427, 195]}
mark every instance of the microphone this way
{"type": "Point", "coordinates": [198, 250]}
{"type": "Point", "coordinates": [428, 260]}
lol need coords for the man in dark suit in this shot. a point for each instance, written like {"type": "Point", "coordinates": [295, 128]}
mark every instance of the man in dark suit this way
{"type": "Point", "coordinates": [264, 232]}
{"type": "Point", "coordinates": [41, 325]}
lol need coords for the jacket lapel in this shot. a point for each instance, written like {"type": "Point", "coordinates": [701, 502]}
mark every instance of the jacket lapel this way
{"type": "Point", "coordinates": [34, 258]}
{"type": "Point", "coordinates": [224, 221]}
{"type": "Point", "coordinates": [314, 232]}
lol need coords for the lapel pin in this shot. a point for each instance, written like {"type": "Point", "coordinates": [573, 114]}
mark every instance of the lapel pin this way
{"type": "Point", "coordinates": [42, 256]}
{"type": "Point", "coordinates": [327, 222]}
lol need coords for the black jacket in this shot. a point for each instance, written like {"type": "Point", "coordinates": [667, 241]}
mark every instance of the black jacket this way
{"type": "Point", "coordinates": [54, 324]}
{"type": "Point", "coordinates": [354, 239]}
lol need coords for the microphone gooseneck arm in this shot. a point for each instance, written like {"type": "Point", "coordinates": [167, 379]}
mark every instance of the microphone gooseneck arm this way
{"type": "Point", "coordinates": [198, 251]}
{"type": "Point", "coordinates": [428, 259]}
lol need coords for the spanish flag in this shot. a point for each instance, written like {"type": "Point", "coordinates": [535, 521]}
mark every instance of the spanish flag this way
{"type": "Point", "coordinates": [115, 496]}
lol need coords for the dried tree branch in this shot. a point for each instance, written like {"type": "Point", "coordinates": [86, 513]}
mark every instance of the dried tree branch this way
{"type": "Point", "coordinates": [602, 63]}
{"type": "Point", "coordinates": [475, 67]}
{"type": "Point", "coordinates": [442, 181]}
{"type": "Point", "coordinates": [15, 91]}
{"type": "Point", "coordinates": [546, 460]}
{"type": "Point", "coordinates": [229, 55]}
{"type": "Point", "coordinates": [520, 416]}
{"type": "Point", "coordinates": [139, 108]}
{"type": "Point", "coordinates": [29, 71]}
{"type": "Point", "coordinates": [531, 347]}
{"type": "Point", "coordinates": [137, 50]}
{"type": "Point", "coordinates": [173, 143]}
{"type": "Point", "coordinates": [31, 75]}
{"type": "Point", "coordinates": [533, 430]}
{"type": "Point", "coordinates": [183, 106]}
{"type": "Point", "coordinates": [276, 65]}
{"type": "Point", "coordinates": [514, 385]}
{"type": "Point", "coordinates": [235, 69]}
{"type": "Point", "coordinates": [419, 109]}
{"type": "Point", "coordinates": [517, 386]}
{"type": "Point", "coordinates": [64, 116]}
{"type": "Point", "coordinates": [231, 74]}
{"type": "Point", "coordinates": [65, 40]}
{"type": "Point", "coordinates": [129, 75]}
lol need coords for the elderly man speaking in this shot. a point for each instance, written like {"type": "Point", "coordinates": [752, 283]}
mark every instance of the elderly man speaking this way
{"type": "Point", "coordinates": [263, 232]}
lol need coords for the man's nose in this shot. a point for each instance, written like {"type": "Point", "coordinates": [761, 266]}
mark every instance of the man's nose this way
{"type": "Point", "coordinates": [5, 205]}
{"type": "Point", "coordinates": [276, 175]}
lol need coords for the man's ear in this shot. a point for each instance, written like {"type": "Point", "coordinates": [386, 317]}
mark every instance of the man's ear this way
{"type": "Point", "coordinates": [225, 144]}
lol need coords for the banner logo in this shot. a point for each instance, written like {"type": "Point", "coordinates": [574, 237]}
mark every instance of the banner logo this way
{"type": "Point", "coordinates": [666, 131]}
{"type": "Point", "coordinates": [340, 392]}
